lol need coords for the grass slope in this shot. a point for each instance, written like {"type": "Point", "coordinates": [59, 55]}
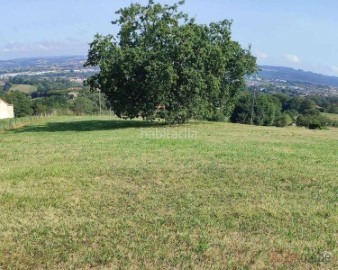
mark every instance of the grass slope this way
{"type": "Point", "coordinates": [89, 192]}
{"type": "Point", "coordinates": [25, 88]}
{"type": "Point", "coordinates": [331, 116]}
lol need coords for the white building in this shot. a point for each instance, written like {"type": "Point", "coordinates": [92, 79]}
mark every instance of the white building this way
{"type": "Point", "coordinates": [6, 110]}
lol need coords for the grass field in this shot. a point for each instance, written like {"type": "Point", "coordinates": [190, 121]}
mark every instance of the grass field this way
{"type": "Point", "coordinates": [101, 193]}
{"type": "Point", "coordinates": [332, 116]}
{"type": "Point", "coordinates": [25, 88]}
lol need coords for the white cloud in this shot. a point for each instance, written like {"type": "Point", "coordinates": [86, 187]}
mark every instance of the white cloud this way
{"type": "Point", "coordinates": [52, 45]}
{"type": "Point", "coordinates": [15, 47]}
{"type": "Point", "coordinates": [294, 59]}
{"type": "Point", "coordinates": [261, 55]}
{"type": "Point", "coordinates": [334, 69]}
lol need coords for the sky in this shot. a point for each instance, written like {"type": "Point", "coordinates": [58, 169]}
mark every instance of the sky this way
{"type": "Point", "coordinates": [296, 33]}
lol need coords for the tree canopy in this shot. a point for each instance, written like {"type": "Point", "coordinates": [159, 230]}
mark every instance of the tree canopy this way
{"type": "Point", "coordinates": [22, 104]}
{"type": "Point", "coordinates": [261, 111]}
{"type": "Point", "coordinates": [163, 59]}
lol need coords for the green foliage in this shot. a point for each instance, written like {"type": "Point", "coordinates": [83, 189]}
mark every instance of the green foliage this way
{"type": "Point", "coordinates": [243, 109]}
{"type": "Point", "coordinates": [95, 97]}
{"type": "Point", "coordinates": [283, 99]}
{"type": "Point", "coordinates": [313, 112]}
{"type": "Point", "coordinates": [313, 121]}
{"type": "Point", "coordinates": [284, 120]}
{"type": "Point", "coordinates": [265, 110]}
{"type": "Point", "coordinates": [305, 105]}
{"type": "Point", "coordinates": [216, 117]}
{"type": "Point", "coordinates": [332, 108]}
{"type": "Point", "coordinates": [260, 111]}
{"type": "Point", "coordinates": [44, 85]}
{"type": "Point", "coordinates": [279, 110]}
{"type": "Point", "coordinates": [293, 104]}
{"type": "Point", "coordinates": [315, 124]}
{"type": "Point", "coordinates": [49, 104]}
{"type": "Point", "coordinates": [161, 57]}
{"type": "Point", "coordinates": [39, 107]}
{"type": "Point", "coordinates": [333, 123]}
{"type": "Point", "coordinates": [7, 86]}
{"type": "Point", "coordinates": [22, 104]}
{"type": "Point", "coordinates": [325, 102]}
{"type": "Point", "coordinates": [82, 105]}
{"type": "Point", "coordinates": [293, 114]}
{"type": "Point", "coordinates": [303, 121]}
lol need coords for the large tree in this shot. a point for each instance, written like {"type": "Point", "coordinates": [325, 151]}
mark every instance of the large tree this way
{"type": "Point", "coordinates": [161, 58]}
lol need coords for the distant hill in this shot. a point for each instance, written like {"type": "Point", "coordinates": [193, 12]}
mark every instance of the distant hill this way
{"type": "Point", "coordinates": [76, 62]}
{"type": "Point", "coordinates": [298, 75]}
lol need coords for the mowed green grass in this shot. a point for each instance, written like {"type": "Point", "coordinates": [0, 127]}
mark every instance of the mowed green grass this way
{"type": "Point", "coordinates": [25, 88]}
{"type": "Point", "coordinates": [101, 193]}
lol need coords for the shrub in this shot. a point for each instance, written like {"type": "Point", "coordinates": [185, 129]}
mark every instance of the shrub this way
{"type": "Point", "coordinates": [314, 112]}
{"type": "Point", "coordinates": [303, 121]}
{"type": "Point", "coordinates": [315, 125]}
{"type": "Point", "coordinates": [261, 111]}
{"type": "Point", "coordinates": [82, 105]}
{"type": "Point", "coordinates": [312, 121]}
{"type": "Point", "coordinates": [284, 120]}
{"type": "Point", "coordinates": [217, 117]}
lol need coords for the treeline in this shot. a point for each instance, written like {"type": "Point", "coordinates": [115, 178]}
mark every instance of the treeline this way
{"type": "Point", "coordinates": [53, 95]}
{"type": "Point", "coordinates": [43, 84]}
{"type": "Point", "coordinates": [85, 102]}
{"type": "Point", "coordinates": [282, 110]}
{"type": "Point", "coordinates": [279, 109]}
{"type": "Point", "coordinates": [326, 104]}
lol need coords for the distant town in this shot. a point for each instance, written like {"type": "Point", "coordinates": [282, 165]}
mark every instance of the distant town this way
{"type": "Point", "coordinates": [293, 88]}
{"type": "Point", "coordinates": [71, 68]}
{"type": "Point", "coordinates": [268, 80]}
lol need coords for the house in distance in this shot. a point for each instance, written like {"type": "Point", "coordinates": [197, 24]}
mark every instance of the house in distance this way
{"type": "Point", "coordinates": [6, 110]}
